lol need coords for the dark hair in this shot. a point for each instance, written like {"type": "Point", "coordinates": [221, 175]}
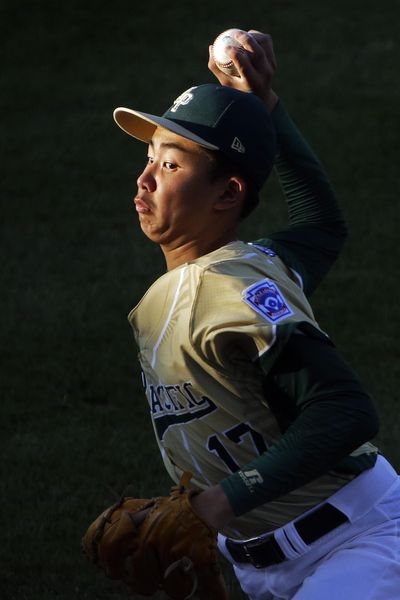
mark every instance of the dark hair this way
{"type": "Point", "coordinates": [222, 166]}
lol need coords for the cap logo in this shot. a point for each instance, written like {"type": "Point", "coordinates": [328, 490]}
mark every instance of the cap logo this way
{"type": "Point", "coordinates": [183, 99]}
{"type": "Point", "coordinates": [238, 146]}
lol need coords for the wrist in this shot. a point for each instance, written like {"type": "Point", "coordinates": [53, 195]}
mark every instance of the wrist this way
{"type": "Point", "coordinates": [213, 506]}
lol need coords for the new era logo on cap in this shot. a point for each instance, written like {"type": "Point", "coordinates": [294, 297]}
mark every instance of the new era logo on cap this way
{"type": "Point", "coordinates": [238, 146]}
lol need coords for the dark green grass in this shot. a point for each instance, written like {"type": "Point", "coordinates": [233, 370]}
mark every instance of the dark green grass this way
{"type": "Point", "coordinates": [74, 422]}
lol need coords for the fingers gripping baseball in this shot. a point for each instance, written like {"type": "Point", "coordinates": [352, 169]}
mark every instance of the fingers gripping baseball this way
{"type": "Point", "coordinates": [158, 544]}
{"type": "Point", "coordinates": [266, 43]}
{"type": "Point", "coordinates": [254, 64]}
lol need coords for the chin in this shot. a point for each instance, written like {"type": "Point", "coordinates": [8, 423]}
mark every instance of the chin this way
{"type": "Point", "coordinates": [152, 235]}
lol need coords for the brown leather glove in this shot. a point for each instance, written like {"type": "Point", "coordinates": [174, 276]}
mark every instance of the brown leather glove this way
{"type": "Point", "coordinates": [158, 544]}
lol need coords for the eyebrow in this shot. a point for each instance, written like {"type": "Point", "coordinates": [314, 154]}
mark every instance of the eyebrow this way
{"type": "Point", "coordinates": [174, 146]}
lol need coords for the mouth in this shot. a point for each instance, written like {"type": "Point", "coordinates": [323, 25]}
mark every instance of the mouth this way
{"type": "Point", "coordinates": [141, 206]}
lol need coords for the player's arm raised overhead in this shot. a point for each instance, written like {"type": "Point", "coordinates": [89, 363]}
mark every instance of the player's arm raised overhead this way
{"type": "Point", "coordinates": [317, 230]}
{"type": "Point", "coordinates": [323, 411]}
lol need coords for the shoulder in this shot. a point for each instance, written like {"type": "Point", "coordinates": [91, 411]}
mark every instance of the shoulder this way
{"type": "Point", "coordinates": [224, 276]}
{"type": "Point", "coordinates": [241, 295]}
{"type": "Point", "coordinates": [233, 276]}
{"type": "Point", "coordinates": [243, 262]}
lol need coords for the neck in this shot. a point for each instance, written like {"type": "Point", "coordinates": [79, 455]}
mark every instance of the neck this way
{"type": "Point", "coordinates": [177, 255]}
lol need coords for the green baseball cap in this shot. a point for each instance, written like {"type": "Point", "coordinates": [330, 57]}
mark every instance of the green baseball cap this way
{"type": "Point", "coordinates": [219, 118]}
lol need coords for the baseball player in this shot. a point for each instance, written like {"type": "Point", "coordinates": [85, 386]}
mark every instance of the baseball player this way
{"type": "Point", "coordinates": [245, 389]}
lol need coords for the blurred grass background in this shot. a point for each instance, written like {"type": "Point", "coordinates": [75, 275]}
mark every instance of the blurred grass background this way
{"type": "Point", "coordinates": [74, 423]}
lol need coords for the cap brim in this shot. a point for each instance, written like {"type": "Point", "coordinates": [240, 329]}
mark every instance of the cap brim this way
{"type": "Point", "coordinates": [142, 126]}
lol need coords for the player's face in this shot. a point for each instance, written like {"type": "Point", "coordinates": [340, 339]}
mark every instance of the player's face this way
{"type": "Point", "coordinates": [176, 195]}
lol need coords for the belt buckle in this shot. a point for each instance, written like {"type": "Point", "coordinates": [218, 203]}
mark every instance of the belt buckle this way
{"type": "Point", "coordinates": [265, 552]}
{"type": "Point", "coordinates": [256, 563]}
{"type": "Point", "coordinates": [261, 552]}
{"type": "Point", "coordinates": [250, 557]}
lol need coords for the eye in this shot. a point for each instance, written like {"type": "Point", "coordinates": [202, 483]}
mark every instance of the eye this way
{"type": "Point", "coordinates": [169, 166]}
{"type": "Point", "coordinates": [150, 160]}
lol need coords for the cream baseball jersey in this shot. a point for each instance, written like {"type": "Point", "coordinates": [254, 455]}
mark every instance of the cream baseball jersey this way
{"type": "Point", "coordinates": [201, 330]}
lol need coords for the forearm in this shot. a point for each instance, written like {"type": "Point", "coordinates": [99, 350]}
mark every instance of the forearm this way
{"type": "Point", "coordinates": [317, 442]}
{"type": "Point", "coordinates": [309, 194]}
{"type": "Point", "coordinates": [306, 451]}
{"type": "Point", "coordinates": [324, 414]}
{"type": "Point", "coordinates": [317, 231]}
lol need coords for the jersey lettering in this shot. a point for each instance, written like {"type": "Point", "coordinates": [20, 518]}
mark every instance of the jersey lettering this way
{"type": "Point", "coordinates": [237, 435]}
{"type": "Point", "coordinates": [175, 404]}
{"type": "Point", "coordinates": [215, 445]}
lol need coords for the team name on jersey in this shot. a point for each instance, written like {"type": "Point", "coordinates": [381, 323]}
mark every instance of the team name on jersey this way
{"type": "Point", "coordinates": [175, 404]}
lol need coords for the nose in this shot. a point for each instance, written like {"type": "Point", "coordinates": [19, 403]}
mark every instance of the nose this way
{"type": "Point", "coordinates": [146, 180]}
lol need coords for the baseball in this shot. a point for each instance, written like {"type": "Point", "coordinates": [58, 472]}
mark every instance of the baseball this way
{"type": "Point", "coordinates": [223, 62]}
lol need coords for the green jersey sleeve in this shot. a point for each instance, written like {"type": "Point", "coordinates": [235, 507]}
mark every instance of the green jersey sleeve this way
{"type": "Point", "coordinates": [326, 419]}
{"type": "Point", "coordinates": [316, 232]}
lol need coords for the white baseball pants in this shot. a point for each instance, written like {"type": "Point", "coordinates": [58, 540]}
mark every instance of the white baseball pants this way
{"type": "Point", "coordinates": [359, 560]}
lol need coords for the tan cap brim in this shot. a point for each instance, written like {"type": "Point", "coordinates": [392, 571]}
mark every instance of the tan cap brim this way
{"type": "Point", "coordinates": [142, 126]}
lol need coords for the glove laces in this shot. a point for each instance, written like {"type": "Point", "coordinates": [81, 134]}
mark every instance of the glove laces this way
{"type": "Point", "coordinates": [185, 564]}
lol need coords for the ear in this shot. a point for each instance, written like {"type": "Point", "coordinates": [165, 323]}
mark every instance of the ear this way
{"type": "Point", "coordinates": [232, 194]}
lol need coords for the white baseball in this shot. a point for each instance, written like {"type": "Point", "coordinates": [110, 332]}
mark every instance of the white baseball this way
{"type": "Point", "coordinates": [222, 60]}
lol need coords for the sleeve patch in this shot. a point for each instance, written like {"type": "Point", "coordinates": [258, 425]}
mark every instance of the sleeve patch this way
{"type": "Point", "coordinates": [267, 300]}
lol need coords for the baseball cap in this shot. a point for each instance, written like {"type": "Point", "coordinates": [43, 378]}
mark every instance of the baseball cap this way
{"type": "Point", "coordinates": [219, 118]}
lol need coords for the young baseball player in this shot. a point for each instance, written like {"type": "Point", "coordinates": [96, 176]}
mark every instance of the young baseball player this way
{"type": "Point", "coordinates": [245, 388]}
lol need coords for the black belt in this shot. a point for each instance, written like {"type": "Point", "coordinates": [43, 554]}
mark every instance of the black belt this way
{"type": "Point", "coordinates": [263, 552]}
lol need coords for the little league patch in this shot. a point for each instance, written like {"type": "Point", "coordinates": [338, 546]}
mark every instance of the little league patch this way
{"type": "Point", "coordinates": [265, 298]}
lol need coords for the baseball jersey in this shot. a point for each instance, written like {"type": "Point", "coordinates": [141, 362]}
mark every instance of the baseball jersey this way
{"type": "Point", "coordinates": [202, 330]}
{"type": "Point", "coordinates": [210, 334]}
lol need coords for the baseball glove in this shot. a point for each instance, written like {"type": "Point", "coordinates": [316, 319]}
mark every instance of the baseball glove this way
{"type": "Point", "coordinates": [158, 544]}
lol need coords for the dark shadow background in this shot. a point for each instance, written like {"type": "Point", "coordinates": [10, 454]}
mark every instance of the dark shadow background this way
{"type": "Point", "coordinates": [74, 420]}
